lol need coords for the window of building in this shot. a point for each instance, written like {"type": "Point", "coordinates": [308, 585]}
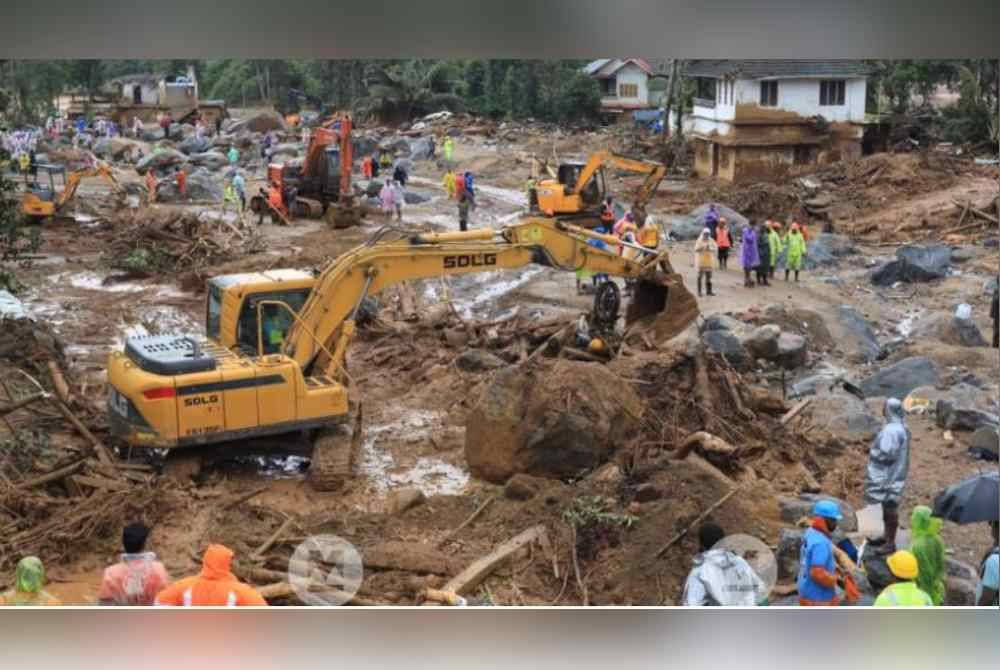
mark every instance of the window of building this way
{"type": "Point", "coordinates": [768, 94]}
{"type": "Point", "coordinates": [628, 90]}
{"type": "Point", "coordinates": [608, 87]}
{"type": "Point", "coordinates": [831, 93]}
{"type": "Point", "coordinates": [705, 90]}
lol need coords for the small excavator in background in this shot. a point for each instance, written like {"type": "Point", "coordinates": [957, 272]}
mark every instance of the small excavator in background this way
{"type": "Point", "coordinates": [273, 357]}
{"type": "Point", "coordinates": [41, 202]}
{"type": "Point", "coordinates": [576, 190]}
{"type": "Point", "coordinates": [319, 187]}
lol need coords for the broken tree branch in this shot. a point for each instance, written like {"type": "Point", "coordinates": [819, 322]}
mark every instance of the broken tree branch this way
{"type": "Point", "coordinates": [472, 517]}
{"type": "Point", "coordinates": [258, 553]}
{"type": "Point", "coordinates": [793, 412]}
{"type": "Point", "coordinates": [701, 517]}
{"type": "Point", "coordinates": [473, 575]}
{"type": "Point", "coordinates": [18, 404]}
{"type": "Point", "coordinates": [58, 381]}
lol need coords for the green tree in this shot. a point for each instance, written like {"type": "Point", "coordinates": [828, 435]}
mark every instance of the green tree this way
{"type": "Point", "coordinates": [16, 240]}
{"type": "Point", "coordinates": [403, 92]}
{"type": "Point", "coordinates": [579, 98]}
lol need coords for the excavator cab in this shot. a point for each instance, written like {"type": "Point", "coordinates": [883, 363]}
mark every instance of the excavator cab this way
{"type": "Point", "coordinates": [39, 200]}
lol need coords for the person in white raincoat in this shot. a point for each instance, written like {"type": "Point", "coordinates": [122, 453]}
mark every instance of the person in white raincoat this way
{"type": "Point", "coordinates": [888, 466]}
{"type": "Point", "coordinates": [719, 577]}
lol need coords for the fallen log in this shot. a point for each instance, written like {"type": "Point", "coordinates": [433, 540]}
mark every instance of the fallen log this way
{"type": "Point", "coordinates": [709, 443]}
{"type": "Point", "coordinates": [284, 590]}
{"type": "Point", "coordinates": [54, 476]}
{"type": "Point", "coordinates": [701, 517]}
{"type": "Point", "coordinates": [473, 575]}
{"type": "Point", "coordinates": [96, 445]}
{"type": "Point", "coordinates": [96, 482]}
{"type": "Point", "coordinates": [408, 557]}
{"type": "Point", "coordinates": [270, 541]}
{"type": "Point", "coordinates": [242, 498]}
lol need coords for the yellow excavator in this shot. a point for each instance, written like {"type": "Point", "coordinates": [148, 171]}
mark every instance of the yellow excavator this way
{"type": "Point", "coordinates": [273, 358]}
{"type": "Point", "coordinates": [576, 190]}
{"type": "Point", "coordinates": [40, 202]}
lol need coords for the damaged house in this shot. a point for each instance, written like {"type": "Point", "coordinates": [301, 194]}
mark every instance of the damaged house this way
{"type": "Point", "coordinates": [754, 117]}
{"type": "Point", "coordinates": [624, 85]}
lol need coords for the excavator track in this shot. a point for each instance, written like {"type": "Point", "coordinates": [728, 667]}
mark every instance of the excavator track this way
{"type": "Point", "coordinates": [333, 456]}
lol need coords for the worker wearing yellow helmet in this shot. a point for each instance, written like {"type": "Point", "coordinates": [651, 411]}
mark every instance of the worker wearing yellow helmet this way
{"type": "Point", "coordinates": [905, 592]}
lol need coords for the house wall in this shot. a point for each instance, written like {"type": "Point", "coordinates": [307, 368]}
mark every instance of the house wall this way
{"type": "Point", "coordinates": [150, 94]}
{"type": "Point", "coordinates": [630, 74]}
{"type": "Point", "coordinates": [177, 95]}
{"type": "Point", "coordinates": [801, 96]}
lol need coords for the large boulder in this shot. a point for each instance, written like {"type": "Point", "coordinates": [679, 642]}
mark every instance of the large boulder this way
{"type": "Point", "coordinates": [855, 336]}
{"type": "Point", "coordinates": [723, 322]}
{"type": "Point", "coordinates": [956, 417]}
{"type": "Point", "coordinates": [728, 345]}
{"type": "Point", "coordinates": [826, 249]}
{"type": "Point", "coordinates": [201, 186]}
{"type": "Point", "coordinates": [414, 197]}
{"type": "Point", "coordinates": [522, 422]}
{"type": "Point", "coordinates": [287, 150]}
{"type": "Point", "coordinates": [213, 160]}
{"type": "Point", "coordinates": [794, 509]}
{"type": "Point", "coordinates": [763, 341]}
{"type": "Point", "coordinates": [898, 379]}
{"type": "Point", "coordinates": [115, 148]}
{"type": "Point", "coordinates": [422, 148]}
{"type": "Point", "coordinates": [364, 145]}
{"type": "Point", "coordinates": [261, 122]}
{"type": "Point", "coordinates": [913, 264]}
{"type": "Point", "coordinates": [478, 360]}
{"type": "Point", "coordinates": [398, 146]}
{"type": "Point", "coordinates": [160, 161]}
{"type": "Point", "coordinates": [844, 414]}
{"type": "Point", "coordinates": [986, 440]}
{"type": "Point", "coordinates": [787, 554]}
{"type": "Point", "coordinates": [950, 329]}
{"type": "Point", "coordinates": [791, 351]}
{"type": "Point", "coordinates": [195, 145]}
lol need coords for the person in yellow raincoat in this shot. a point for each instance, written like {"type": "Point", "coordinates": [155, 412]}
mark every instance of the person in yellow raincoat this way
{"type": "Point", "coordinates": [448, 182]}
{"type": "Point", "coordinates": [29, 578]}
{"type": "Point", "coordinates": [929, 549]}
{"type": "Point", "coordinates": [796, 245]}
{"type": "Point", "coordinates": [774, 241]}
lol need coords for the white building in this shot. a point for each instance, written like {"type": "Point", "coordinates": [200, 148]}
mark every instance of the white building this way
{"type": "Point", "coordinates": [752, 117]}
{"type": "Point", "coordinates": [624, 84]}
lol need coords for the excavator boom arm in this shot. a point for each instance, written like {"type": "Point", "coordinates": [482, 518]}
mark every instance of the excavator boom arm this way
{"type": "Point", "coordinates": [370, 268]}
{"type": "Point", "coordinates": [74, 179]}
{"type": "Point", "coordinates": [654, 171]}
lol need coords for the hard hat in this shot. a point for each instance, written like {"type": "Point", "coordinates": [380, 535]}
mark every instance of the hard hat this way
{"type": "Point", "coordinates": [597, 345]}
{"type": "Point", "coordinates": [827, 509]}
{"type": "Point", "coordinates": [903, 564]}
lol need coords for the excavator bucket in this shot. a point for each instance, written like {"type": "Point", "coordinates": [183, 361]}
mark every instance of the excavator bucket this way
{"type": "Point", "coordinates": [661, 306]}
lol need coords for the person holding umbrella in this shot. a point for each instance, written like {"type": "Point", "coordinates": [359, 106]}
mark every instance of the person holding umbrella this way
{"type": "Point", "coordinates": [974, 500]}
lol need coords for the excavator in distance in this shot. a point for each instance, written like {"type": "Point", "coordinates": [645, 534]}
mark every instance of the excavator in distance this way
{"type": "Point", "coordinates": [273, 357]}
{"type": "Point", "coordinates": [576, 191]}
{"type": "Point", "coordinates": [39, 202]}
{"type": "Point", "coordinates": [321, 187]}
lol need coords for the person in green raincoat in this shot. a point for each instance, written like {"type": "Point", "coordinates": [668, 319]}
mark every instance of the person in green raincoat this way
{"type": "Point", "coordinates": [774, 241]}
{"type": "Point", "coordinates": [796, 245]}
{"type": "Point", "coordinates": [929, 549]}
{"type": "Point", "coordinates": [29, 578]}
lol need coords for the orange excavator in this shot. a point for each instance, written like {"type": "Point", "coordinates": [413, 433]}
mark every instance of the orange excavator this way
{"type": "Point", "coordinates": [318, 187]}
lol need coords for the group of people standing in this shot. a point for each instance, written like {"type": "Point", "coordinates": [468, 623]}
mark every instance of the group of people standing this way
{"type": "Point", "coordinates": [140, 579]}
{"type": "Point", "coordinates": [762, 245]}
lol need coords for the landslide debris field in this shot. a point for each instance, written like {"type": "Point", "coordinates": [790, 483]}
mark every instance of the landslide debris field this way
{"type": "Point", "coordinates": [478, 428]}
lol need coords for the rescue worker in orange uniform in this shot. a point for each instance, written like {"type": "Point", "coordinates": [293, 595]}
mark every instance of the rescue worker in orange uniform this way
{"type": "Point", "coordinates": [214, 586]}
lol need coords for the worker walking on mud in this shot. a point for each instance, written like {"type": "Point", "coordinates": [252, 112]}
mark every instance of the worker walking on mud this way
{"type": "Point", "coordinates": [448, 146]}
{"type": "Point", "coordinates": [763, 255]}
{"type": "Point", "coordinates": [181, 176]}
{"type": "Point", "coordinates": [720, 578]}
{"type": "Point", "coordinates": [817, 565]}
{"type": "Point", "coordinates": [531, 193]}
{"type": "Point", "coordinates": [215, 585]}
{"type": "Point", "coordinates": [928, 548]}
{"type": "Point", "coordinates": [366, 167]}
{"type": "Point", "coordinates": [29, 583]}
{"type": "Point", "coordinates": [904, 592]}
{"type": "Point", "coordinates": [240, 185]}
{"type": "Point", "coordinates": [795, 244]}
{"type": "Point", "coordinates": [705, 251]}
{"type": "Point", "coordinates": [399, 199]}
{"type": "Point", "coordinates": [387, 197]}
{"type": "Point", "coordinates": [233, 155]}
{"type": "Point", "coordinates": [723, 243]}
{"type": "Point", "coordinates": [888, 467]}
{"type": "Point", "coordinates": [463, 211]}
{"type": "Point", "coordinates": [776, 247]}
{"type": "Point", "coordinates": [625, 230]}
{"type": "Point", "coordinates": [448, 182]}
{"type": "Point", "coordinates": [138, 576]}
{"type": "Point", "coordinates": [749, 257]}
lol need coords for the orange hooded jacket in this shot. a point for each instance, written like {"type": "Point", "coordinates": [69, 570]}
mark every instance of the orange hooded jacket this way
{"type": "Point", "coordinates": [215, 586]}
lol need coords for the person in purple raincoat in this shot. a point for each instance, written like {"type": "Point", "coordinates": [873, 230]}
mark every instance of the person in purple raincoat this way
{"type": "Point", "coordinates": [749, 257]}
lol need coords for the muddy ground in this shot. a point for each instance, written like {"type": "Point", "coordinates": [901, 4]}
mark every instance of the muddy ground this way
{"type": "Point", "coordinates": [415, 426]}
